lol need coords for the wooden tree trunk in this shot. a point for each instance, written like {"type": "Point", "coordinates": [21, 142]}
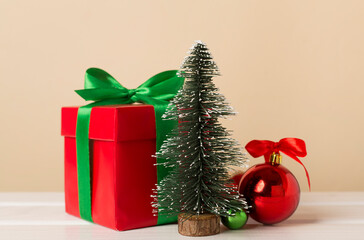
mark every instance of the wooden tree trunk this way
{"type": "Point", "coordinates": [198, 225]}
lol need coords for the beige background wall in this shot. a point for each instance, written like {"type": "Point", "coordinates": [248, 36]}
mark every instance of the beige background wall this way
{"type": "Point", "coordinates": [290, 68]}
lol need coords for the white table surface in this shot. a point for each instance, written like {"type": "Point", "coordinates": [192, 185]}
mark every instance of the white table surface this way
{"type": "Point", "coordinates": [41, 216]}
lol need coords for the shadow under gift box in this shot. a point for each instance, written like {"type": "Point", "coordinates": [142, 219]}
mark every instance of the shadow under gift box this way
{"type": "Point", "coordinates": [123, 174]}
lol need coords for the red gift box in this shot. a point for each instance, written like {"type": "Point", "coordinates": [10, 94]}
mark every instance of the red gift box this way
{"type": "Point", "coordinates": [122, 142]}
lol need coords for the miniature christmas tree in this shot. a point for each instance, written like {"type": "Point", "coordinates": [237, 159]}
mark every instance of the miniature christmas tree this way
{"type": "Point", "coordinates": [200, 151]}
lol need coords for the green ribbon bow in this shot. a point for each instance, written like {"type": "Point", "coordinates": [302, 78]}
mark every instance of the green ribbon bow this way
{"type": "Point", "coordinates": [103, 89]}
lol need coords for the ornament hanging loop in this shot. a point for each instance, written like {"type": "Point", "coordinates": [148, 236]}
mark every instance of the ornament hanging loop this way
{"type": "Point", "coordinates": [275, 159]}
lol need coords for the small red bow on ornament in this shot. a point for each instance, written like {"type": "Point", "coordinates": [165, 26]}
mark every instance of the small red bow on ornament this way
{"type": "Point", "coordinates": [292, 147]}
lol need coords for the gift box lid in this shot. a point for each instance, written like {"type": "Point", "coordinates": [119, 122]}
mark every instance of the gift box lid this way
{"type": "Point", "coordinates": [126, 122]}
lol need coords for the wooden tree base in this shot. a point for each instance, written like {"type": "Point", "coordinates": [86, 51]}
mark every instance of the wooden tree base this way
{"type": "Point", "coordinates": [198, 225]}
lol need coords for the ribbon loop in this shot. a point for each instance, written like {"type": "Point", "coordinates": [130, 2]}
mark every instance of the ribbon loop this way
{"type": "Point", "coordinates": [98, 78]}
{"type": "Point", "coordinates": [292, 147]}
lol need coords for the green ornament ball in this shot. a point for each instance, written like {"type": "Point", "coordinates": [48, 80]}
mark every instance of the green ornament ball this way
{"type": "Point", "coordinates": [235, 222]}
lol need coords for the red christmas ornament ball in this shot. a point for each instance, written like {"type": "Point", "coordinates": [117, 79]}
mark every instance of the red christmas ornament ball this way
{"type": "Point", "coordinates": [236, 178]}
{"type": "Point", "coordinates": [272, 191]}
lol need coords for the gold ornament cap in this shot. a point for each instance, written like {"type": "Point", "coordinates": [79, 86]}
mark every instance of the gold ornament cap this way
{"type": "Point", "coordinates": [275, 159]}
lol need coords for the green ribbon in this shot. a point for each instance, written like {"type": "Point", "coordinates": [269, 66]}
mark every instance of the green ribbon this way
{"type": "Point", "coordinates": [103, 89]}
